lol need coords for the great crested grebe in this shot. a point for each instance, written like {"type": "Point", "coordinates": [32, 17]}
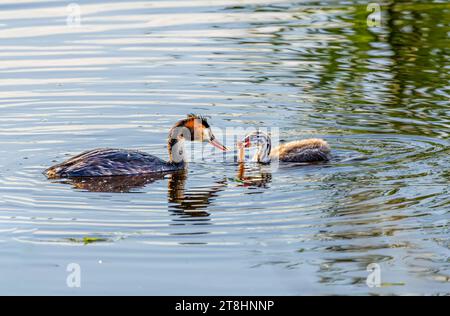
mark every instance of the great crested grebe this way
{"type": "Point", "coordinates": [306, 150]}
{"type": "Point", "coordinates": [122, 162]}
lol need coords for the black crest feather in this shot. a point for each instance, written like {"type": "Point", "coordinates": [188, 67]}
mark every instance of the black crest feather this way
{"type": "Point", "coordinates": [203, 118]}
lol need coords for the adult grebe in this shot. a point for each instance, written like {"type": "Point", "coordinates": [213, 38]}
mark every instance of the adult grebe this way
{"type": "Point", "coordinates": [306, 150]}
{"type": "Point", "coordinates": [121, 162]}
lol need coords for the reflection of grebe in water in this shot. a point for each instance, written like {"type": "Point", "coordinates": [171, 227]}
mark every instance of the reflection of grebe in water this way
{"type": "Point", "coordinates": [181, 201]}
{"type": "Point", "coordinates": [115, 184]}
{"type": "Point", "coordinates": [261, 179]}
{"type": "Point", "coordinates": [191, 203]}
{"type": "Point", "coordinates": [121, 162]}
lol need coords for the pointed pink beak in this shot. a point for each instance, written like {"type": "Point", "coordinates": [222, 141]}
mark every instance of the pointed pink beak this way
{"type": "Point", "coordinates": [217, 144]}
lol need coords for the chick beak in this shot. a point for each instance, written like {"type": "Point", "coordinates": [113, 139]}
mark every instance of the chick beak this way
{"type": "Point", "coordinates": [246, 142]}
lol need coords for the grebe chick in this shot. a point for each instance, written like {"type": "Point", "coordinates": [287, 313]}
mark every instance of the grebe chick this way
{"type": "Point", "coordinates": [122, 162]}
{"type": "Point", "coordinates": [306, 150]}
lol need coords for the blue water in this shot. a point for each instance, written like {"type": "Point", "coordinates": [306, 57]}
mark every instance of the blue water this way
{"type": "Point", "coordinates": [131, 69]}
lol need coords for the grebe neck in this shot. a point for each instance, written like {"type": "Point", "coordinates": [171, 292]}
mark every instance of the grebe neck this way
{"type": "Point", "coordinates": [177, 151]}
{"type": "Point", "coordinates": [263, 153]}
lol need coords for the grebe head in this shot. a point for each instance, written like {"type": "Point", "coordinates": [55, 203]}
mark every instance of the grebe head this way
{"type": "Point", "coordinates": [192, 128]}
{"type": "Point", "coordinates": [260, 140]}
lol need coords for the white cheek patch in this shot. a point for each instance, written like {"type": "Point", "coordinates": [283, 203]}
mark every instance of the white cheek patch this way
{"type": "Point", "coordinates": [207, 134]}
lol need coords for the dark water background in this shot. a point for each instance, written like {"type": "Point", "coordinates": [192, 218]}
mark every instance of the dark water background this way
{"type": "Point", "coordinates": [379, 96]}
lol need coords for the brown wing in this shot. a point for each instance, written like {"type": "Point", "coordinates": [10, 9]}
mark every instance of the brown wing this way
{"type": "Point", "coordinates": [307, 150]}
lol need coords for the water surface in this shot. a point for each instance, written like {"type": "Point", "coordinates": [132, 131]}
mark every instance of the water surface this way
{"type": "Point", "coordinates": [379, 96]}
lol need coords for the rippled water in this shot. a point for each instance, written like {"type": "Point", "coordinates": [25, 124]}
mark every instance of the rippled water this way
{"type": "Point", "coordinates": [379, 96]}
